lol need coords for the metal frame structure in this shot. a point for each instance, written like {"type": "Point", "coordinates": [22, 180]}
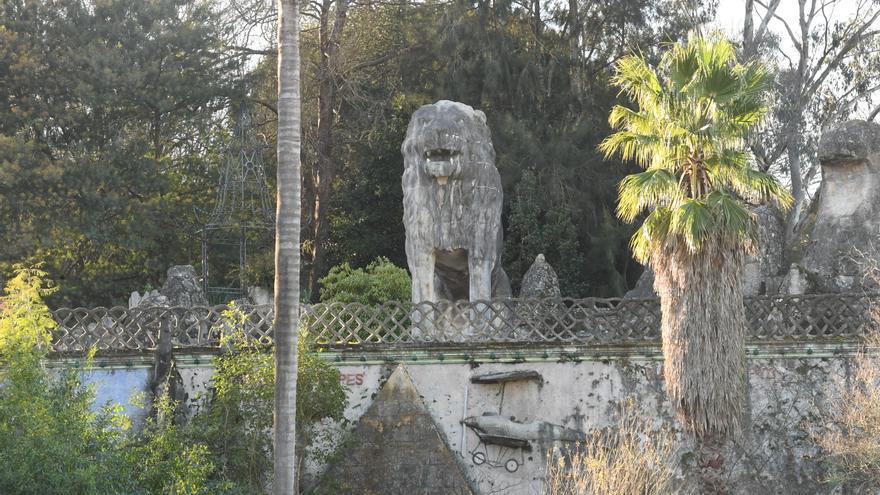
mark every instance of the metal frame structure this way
{"type": "Point", "coordinates": [243, 214]}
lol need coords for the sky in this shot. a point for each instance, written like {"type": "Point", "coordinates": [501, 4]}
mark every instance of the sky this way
{"type": "Point", "coordinates": [731, 13]}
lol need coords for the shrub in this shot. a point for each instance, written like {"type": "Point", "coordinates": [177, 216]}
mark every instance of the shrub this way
{"type": "Point", "coordinates": [50, 440]}
{"type": "Point", "coordinates": [162, 459]}
{"type": "Point", "coordinates": [379, 282]}
{"type": "Point", "coordinates": [236, 422]}
{"type": "Point", "coordinates": [629, 457]}
{"type": "Point", "coordinates": [25, 321]}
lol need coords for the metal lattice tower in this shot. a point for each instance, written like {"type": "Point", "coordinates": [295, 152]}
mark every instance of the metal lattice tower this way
{"type": "Point", "coordinates": [243, 214]}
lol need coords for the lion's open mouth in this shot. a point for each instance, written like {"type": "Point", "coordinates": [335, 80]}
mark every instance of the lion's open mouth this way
{"type": "Point", "coordinates": [440, 155]}
{"type": "Point", "coordinates": [441, 163]}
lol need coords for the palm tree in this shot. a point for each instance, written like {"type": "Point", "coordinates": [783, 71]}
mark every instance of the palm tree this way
{"type": "Point", "coordinates": [688, 133]}
{"type": "Point", "coordinates": [287, 263]}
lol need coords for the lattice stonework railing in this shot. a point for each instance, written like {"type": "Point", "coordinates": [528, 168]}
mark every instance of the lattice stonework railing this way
{"type": "Point", "coordinates": [351, 325]}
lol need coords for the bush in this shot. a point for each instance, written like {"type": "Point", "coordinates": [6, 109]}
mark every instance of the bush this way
{"type": "Point", "coordinates": [25, 321]}
{"type": "Point", "coordinates": [237, 419]}
{"type": "Point", "coordinates": [379, 282]}
{"type": "Point", "coordinates": [628, 457]}
{"type": "Point", "coordinates": [50, 440]}
{"type": "Point", "coordinates": [163, 459]}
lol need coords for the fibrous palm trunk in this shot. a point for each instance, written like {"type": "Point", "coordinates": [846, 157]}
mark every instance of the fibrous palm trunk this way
{"type": "Point", "coordinates": [287, 250]}
{"type": "Point", "coordinates": [703, 323]}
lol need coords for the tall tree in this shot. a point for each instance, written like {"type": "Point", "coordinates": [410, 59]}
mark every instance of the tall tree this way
{"type": "Point", "coordinates": [688, 133]}
{"type": "Point", "coordinates": [110, 111]}
{"type": "Point", "coordinates": [828, 70]}
{"type": "Point", "coordinates": [287, 249]}
{"type": "Point", "coordinates": [328, 78]}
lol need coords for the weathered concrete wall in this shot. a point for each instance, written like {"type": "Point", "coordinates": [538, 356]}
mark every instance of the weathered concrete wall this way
{"type": "Point", "coordinates": [581, 389]}
{"type": "Point", "coordinates": [776, 455]}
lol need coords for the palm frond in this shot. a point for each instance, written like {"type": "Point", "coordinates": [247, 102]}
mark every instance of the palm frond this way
{"type": "Point", "coordinates": [649, 189]}
{"type": "Point", "coordinates": [630, 145]}
{"type": "Point", "coordinates": [688, 131]}
{"type": "Point", "coordinates": [693, 222]}
{"type": "Point", "coordinates": [732, 217]}
{"type": "Point", "coordinates": [637, 79]}
{"type": "Point", "coordinates": [652, 235]}
{"type": "Point", "coordinates": [760, 187]}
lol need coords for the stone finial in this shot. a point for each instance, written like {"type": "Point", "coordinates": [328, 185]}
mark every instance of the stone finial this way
{"type": "Point", "coordinates": [540, 281]}
{"type": "Point", "coordinates": [644, 285]}
{"type": "Point", "coordinates": [134, 299]}
{"type": "Point", "coordinates": [182, 287]}
{"type": "Point", "coordinates": [153, 299]}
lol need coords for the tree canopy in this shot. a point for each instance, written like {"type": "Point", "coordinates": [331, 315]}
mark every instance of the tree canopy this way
{"type": "Point", "coordinates": [688, 133]}
{"type": "Point", "coordinates": [114, 117]}
{"type": "Point", "coordinates": [109, 130]}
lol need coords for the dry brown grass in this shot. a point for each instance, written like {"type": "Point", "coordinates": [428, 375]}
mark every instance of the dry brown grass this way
{"type": "Point", "coordinates": [849, 429]}
{"type": "Point", "coordinates": [850, 433]}
{"type": "Point", "coordinates": [628, 458]}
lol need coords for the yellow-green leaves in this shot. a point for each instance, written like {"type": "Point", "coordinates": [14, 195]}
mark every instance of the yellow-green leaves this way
{"type": "Point", "coordinates": [636, 79]}
{"type": "Point", "coordinates": [646, 189]}
{"type": "Point", "coordinates": [25, 321]}
{"type": "Point", "coordinates": [688, 132]}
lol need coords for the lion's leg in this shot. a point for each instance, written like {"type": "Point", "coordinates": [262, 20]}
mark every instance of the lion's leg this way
{"type": "Point", "coordinates": [480, 290]}
{"type": "Point", "coordinates": [480, 278]}
{"type": "Point", "coordinates": [422, 268]}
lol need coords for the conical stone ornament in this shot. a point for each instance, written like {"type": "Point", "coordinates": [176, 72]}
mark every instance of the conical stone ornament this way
{"type": "Point", "coordinates": [396, 449]}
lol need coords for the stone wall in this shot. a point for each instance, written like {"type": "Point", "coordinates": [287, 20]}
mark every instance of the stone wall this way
{"type": "Point", "coordinates": [580, 389]}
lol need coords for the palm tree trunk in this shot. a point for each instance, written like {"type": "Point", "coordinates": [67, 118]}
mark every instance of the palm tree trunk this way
{"type": "Point", "coordinates": [703, 322]}
{"type": "Point", "coordinates": [710, 464]}
{"type": "Point", "coordinates": [287, 250]}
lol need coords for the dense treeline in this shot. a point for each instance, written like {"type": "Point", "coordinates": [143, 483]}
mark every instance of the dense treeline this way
{"type": "Point", "coordinates": [108, 132]}
{"type": "Point", "coordinates": [114, 115]}
{"type": "Point", "coordinates": [542, 81]}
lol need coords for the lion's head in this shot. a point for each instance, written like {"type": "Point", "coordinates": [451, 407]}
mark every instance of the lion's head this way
{"type": "Point", "coordinates": [446, 139]}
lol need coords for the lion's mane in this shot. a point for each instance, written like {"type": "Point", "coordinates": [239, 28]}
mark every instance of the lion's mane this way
{"type": "Point", "coordinates": [464, 213]}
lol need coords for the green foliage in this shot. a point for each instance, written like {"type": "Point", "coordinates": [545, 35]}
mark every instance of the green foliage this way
{"type": "Point", "coordinates": [694, 113]}
{"type": "Point", "coordinates": [162, 459]}
{"type": "Point", "coordinates": [548, 231]}
{"type": "Point", "coordinates": [25, 321]}
{"type": "Point", "coordinates": [51, 439]}
{"type": "Point", "coordinates": [380, 281]}
{"type": "Point", "coordinates": [109, 112]}
{"type": "Point", "coordinates": [237, 419]}
{"type": "Point", "coordinates": [52, 442]}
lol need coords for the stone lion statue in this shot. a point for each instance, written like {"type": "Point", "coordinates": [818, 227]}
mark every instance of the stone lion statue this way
{"type": "Point", "coordinates": [452, 205]}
